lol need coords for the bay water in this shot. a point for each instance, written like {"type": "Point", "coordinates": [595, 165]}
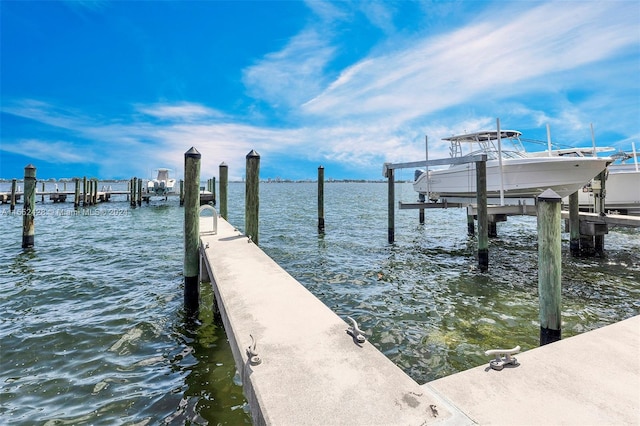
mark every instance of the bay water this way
{"type": "Point", "coordinates": [93, 331]}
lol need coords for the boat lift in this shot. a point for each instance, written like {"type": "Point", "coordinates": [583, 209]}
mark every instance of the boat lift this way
{"type": "Point", "coordinates": [481, 185]}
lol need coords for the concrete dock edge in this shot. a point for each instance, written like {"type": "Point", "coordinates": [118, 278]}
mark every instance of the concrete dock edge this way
{"type": "Point", "coordinates": [311, 371]}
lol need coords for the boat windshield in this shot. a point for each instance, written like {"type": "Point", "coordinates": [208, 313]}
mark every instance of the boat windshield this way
{"type": "Point", "coordinates": [510, 144]}
{"type": "Point", "coordinates": [493, 155]}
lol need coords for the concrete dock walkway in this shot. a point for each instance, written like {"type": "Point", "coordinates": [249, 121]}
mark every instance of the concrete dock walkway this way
{"type": "Point", "coordinates": [312, 372]}
{"type": "Point", "coordinates": [589, 379]}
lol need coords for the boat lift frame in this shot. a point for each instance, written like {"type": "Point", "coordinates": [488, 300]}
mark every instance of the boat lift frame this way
{"type": "Point", "coordinates": [481, 197]}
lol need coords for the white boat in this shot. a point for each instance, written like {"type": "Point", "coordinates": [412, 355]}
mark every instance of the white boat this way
{"type": "Point", "coordinates": [622, 184]}
{"type": "Point", "coordinates": [622, 189]}
{"type": "Point", "coordinates": [162, 184]}
{"type": "Point", "coordinates": [511, 172]}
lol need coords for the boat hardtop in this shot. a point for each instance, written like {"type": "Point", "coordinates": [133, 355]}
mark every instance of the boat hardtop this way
{"type": "Point", "coordinates": [484, 136]}
{"type": "Point", "coordinates": [487, 143]}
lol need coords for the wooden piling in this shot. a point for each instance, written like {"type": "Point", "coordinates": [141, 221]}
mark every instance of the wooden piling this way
{"type": "Point", "coordinates": [391, 201]}
{"type": "Point", "coordinates": [76, 197]}
{"type": "Point", "coordinates": [191, 231]}
{"type": "Point", "coordinates": [471, 228]}
{"type": "Point", "coordinates": [28, 215]}
{"type": "Point", "coordinates": [598, 239]}
{"type": "Point", "coordinates": [252, 196]}
{"type": "Point", "coordinates": [574, 225]}
{"type": "Point", "coordinates": [549, 266]}
{"type": "Point", "coordinates": [43, 189]}
{"type": "Point", "coordinates": [483, 228]}
{"type": "Point", "coordinates": [139, 192]}
{"type": "Point", "coordinates": [134, 185]}
{"type": "Point", "coordinates": [587, 246]}
{"type": "Point", "coordinates": [94, 193]}
{"type": "Point", "coordinates": [224, 183]}
{"type": "Point", "coordinates": [181, 192]}
{"type": "Point", "coordinates": [321, 199]}
{"type": "Point", "coordinates": [213, 190]}
{"type": "Point", "coordinates": [492, 229]}
{"type": "Point", "coordinates": [14, 184]}
{"type": "Point", "coordinates": [84, 191]}
{"type": "Point", "coordinates": [421, 216]}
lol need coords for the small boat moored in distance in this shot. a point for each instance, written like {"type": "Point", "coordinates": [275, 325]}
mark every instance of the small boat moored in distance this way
{"type": "Point", "coordinates": [162, 185]}
{"type": "Point", "coordinates": [512, 172]}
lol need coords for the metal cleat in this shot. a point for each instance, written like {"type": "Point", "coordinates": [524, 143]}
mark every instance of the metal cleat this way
{"type": "Point", "coordinates": [355, 331]}
{"type": "Point", "coordinates": [499, 362]}
{"type": "Point", "coordinates": [254, 359]}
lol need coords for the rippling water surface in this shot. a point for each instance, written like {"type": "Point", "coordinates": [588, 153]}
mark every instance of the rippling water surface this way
{"type": "Point", "coordinates": [92, 328]}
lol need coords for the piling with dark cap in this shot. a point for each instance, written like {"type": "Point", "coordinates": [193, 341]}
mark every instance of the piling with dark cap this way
{"type": "Point", "coordinates": [224, 182]}
{"type": "Point", "coordinates": [28, 216]}
{"type": "Point", "coordinates": [252, 195]}
{"type": "Point", "coordinates": [549, 266]}
{"type": "Point", "coordinates": [321, 199]}
{"type": "Point", "coordinates": [191, 231]}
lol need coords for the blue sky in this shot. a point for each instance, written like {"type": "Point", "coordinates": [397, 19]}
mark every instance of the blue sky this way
{"type": "Point", "coordinates": [117, 89]}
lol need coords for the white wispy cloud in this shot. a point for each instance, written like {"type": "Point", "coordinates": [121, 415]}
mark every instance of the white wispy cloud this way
{"type": "Point", "coordinates": [481, 59]}
{"type": "Point", "coordinates": [186, 111]}
{"type": "Point", "coordinates": [292, 75]}
{"type": "Point", "coordinates": [530, 63]}
{"type": "Point", "coordinates": [51, 151]}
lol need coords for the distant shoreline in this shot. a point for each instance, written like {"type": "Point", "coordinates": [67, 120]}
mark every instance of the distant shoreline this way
{"type": "Point", "coordinates": [52, 180]}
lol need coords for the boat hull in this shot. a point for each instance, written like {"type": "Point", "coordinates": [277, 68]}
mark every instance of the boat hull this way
{"type": "Point", "coordinates": [522, 177]}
